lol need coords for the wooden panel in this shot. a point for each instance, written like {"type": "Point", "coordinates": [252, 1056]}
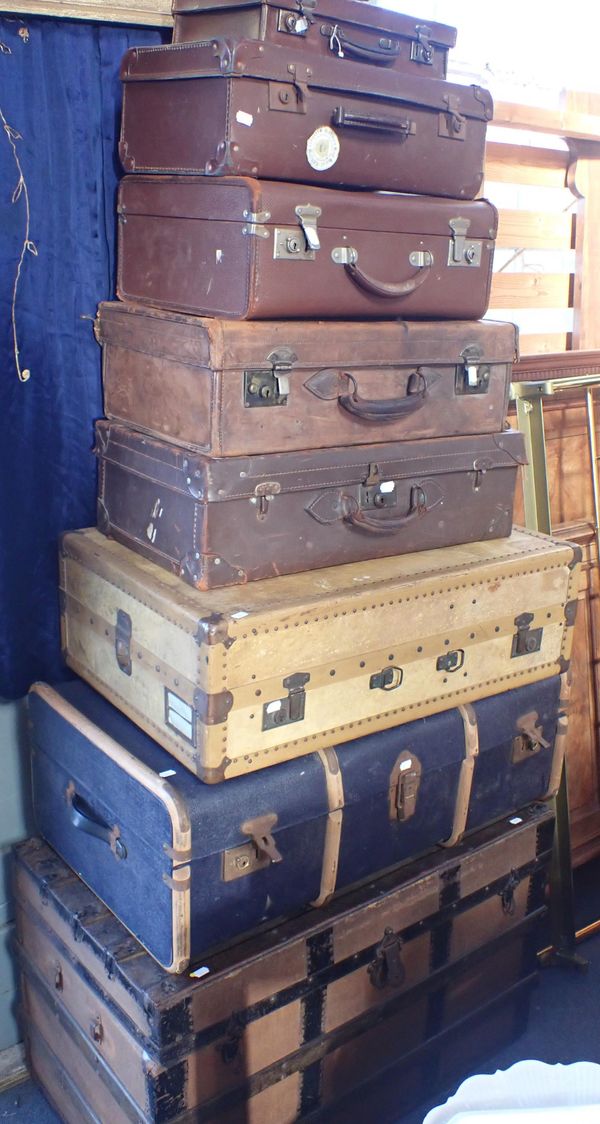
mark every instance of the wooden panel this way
{"type": "Point", "coordinates": [154, 13]}
{"type": "Point", "coordinates": [530, 344]}
{"type": "Point", "coordinates": [585, 181]}
{"type": "Point", "coordinates": [557, 123]}
{"type": "Point", "coordinates": [514, 163]}
{"type": "Point", "coordinates": [534, 230]}
{"type": "Point", "coordinates": [530, 290]}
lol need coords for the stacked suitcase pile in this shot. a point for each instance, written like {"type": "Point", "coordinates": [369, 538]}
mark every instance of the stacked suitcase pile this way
{"type": "Point", "coordinates": [307, 817]}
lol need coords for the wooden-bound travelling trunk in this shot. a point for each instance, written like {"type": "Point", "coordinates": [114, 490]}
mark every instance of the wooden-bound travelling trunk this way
{"type": "Point", "coordinates": [228, 388]}
{"type": "Point", "coordinates": [341, 30]}
{"type": "Point", "coordinates": [244, 107]}
{"type": "Point", "coordinates": [216, 863]}
{"type": "Point", "coordinates": [266, 250]}
{"type": "Point", "coordinates": [394, 989]}
{"type": "Point", "coordinates": [237, 679]}
{"type": "Point", "coordinates": [226, 521]}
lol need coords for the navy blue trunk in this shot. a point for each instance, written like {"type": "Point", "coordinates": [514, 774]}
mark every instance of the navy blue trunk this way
{"type": "Point", "coordinates": [187, 866]}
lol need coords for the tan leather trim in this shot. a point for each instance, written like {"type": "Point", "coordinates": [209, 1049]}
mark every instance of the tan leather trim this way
{"type": "Point", "coordinates": [333, 828]}
{"type": "Point", "coordinates": [181, 841]}
{"type": "Point", "coordinates": [465, 780]}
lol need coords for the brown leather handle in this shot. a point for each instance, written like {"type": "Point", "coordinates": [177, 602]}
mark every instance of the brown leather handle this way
{"type": "Point", "coordinates": [418, 507]}
{"type": "Point", "coordinates": [342, 45]}
{"type": "Point", "coordinates": [385, 409]}
{"type": "Point", "coordinates": [349, 258]}
{"type": "Point", "coordinates": [372, 121]}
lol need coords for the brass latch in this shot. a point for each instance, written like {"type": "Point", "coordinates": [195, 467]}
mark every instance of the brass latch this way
{"type": "Point", "coordinates": [387, 969]}
{"type": "Point", "coordinates": [530, 738]}
{"type": "Point", "coordinates": [281, 712]}
{"type": "Point", "coordinates": [405, 780]}
{"type": "Point", "coordinates": [463, 251]}
{"type": "Point", "coordinates": [451, 661]}
{"type": "Point", "coordinates": [259, 852]}
{"type": "Point", "coordinates": [375, 492]}
{"type": "Point", "coordinates": [526, 640]}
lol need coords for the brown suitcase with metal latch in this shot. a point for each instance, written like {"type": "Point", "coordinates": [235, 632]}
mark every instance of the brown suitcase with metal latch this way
{"type": "Point", "coordinates": [339, 29]}
{"type": "Point", "coordinates": [266, 250]}
{"type": "Point", "coordinates": [226, 521]}
{"type": "Point", "coordinates": [226, 387]}
{"type": "Point", "coordinates": [250, 108]}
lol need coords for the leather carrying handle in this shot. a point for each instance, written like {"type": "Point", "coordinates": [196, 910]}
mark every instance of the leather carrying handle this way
{"type": "Point", "coordinates": [371, 53]}
{"type": "Point", "coordinates": [418, 508]}
{"type": "Point", "coordinates": [83, 818]}
{"type": "Point", "coordinates": [386, 409]}
{"type": "Point", "coordinates": [388, 290]}
{"type": "Point", "coordinates": [373, 122]}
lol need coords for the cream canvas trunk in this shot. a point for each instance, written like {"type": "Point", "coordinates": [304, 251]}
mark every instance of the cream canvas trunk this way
{"type": "Point", "coordinates": [237, 679]}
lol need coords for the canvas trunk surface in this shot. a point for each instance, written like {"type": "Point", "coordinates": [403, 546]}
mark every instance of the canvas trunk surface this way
{"type": "Point", "coordinates": [234, 680]}
{"type": "Point", "coordinates": [285, 1023]}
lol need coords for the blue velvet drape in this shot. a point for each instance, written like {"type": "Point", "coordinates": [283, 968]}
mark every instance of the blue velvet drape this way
{"type": "Point", "coordinates": [60, 104]}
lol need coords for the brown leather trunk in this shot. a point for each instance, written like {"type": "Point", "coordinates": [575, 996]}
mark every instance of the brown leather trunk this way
{"type": "Point", "coordinates": [228, 388]}
{"type": "Point", "coordinates": [261, 250]}
{"type": "Point", "coordinates": [226, 521]}
{"type": "Point", "coordinates": [250, 108]}
{"type": "Point", "coordinates": [286, 1022]}
{"type": "Point", "coordinates": [341, 30]}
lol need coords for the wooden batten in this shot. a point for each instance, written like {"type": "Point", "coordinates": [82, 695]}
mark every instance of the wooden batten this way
{"type": "Point", "coordinates": [151, 13]}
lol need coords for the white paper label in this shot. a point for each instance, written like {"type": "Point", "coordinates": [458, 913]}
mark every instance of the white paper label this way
{"type": "Point", "coordinates": [238, 616]}
{"type": "Point", "coordinates": [516, 819]}
{"type": "Point", "coordinates": [273, 706]}
{"type": "Point", "coordinates": [167, 773]}
{"type": "Point", "coordinates": [387, 486]}
{"type": "Point", "coordinates": [322, 148]}
{"type": "Point", "coordinates": [405, 765]}
{"type": "Point", "coordinates": [244, 118]}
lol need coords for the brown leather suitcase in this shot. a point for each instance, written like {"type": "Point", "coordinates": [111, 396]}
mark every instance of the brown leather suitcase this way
{"type": "Point", "coordinates": [286, 1022]}
{"type": "Point", "coordinates": [226, 521]}
{"type": "Point", "coordinates": [251, 108]}
{"type": "Point", "coordinates": [265, 250]}
{"type": "Point", "coordinates": [227, 388]}
{"type": "Point", "coordinates": [339, 29]}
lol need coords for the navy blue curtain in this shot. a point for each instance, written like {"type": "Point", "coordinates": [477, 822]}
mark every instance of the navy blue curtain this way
{"type": "Point", "coordinates": [59, 106]}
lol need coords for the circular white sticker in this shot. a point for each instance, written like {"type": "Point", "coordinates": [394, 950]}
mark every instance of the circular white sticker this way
{"type": "Point", "coordinates": [322, 148]}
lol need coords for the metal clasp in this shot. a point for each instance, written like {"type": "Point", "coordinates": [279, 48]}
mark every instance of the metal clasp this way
{"type": "Point", "coordinates": [460, 251]}
{"type": "Point", "coordinates": [375, 492]}
{"type": "Point", "coordinates": [123, 641]}
{"type": "Point", "coordinates": [308, 216]}
{"type": "Point", "coordinates": [526, 640]}
{"type": "Point", "coordinates": [387, 969]}
{"type": "Point", "coordinates": [530, 738]}
{"type": "Point", "coordinates": [473, 377]}
{"type": "Point", "coordinates": [290, 708]}
{"type": "Point", "coordinates": [258, 853]}
{"type": "Point", "coordinates": [270, 386]}
{"type": "Point", "coordinates": [405, 780]}
{"type": "Point", "coordinates": [254, 223]}
{"type": "Point", "coordinates": [421, 50]}
{"type": "Point", "coordinates": [451, 661]}
{"type": "Point", "coordinates": [451, 121]}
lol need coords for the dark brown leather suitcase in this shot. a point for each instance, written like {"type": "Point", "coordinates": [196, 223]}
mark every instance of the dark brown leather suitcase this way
{"type": "Point", "coordinates": [335, 29]}
{"type": "Point", "coordinates": [251, 108]}
{"type": "Point", "coordinates": [265, 250]}
{"type": "Point", "coordinates": [416, 973]}
{"type": "Point", "coordinates": [226, 521]}
{"type": "Point", "coordinates": [227, 388]}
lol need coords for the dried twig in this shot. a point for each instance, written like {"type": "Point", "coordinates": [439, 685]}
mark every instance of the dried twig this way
{"type": "Point", "coordinates": [28, 246]}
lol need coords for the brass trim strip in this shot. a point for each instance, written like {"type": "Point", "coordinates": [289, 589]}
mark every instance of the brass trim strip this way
{"type": "Point", "coordinates": [333, 828]}
{"type": "Point", "coordinates": [465, 780]}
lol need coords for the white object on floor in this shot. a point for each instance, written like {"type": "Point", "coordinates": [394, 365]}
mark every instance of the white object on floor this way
{"type": "Point", "coordinates": [529, 1092]}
